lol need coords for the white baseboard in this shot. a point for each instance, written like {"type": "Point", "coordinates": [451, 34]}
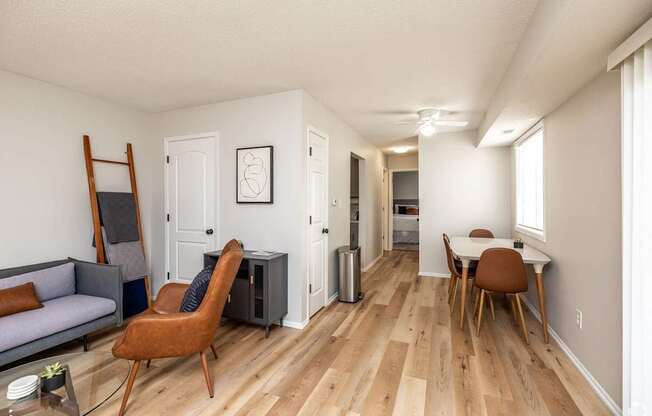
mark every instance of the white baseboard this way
{"type": "Point", "coordinates": [435, 274]}
{"type": "Point", "coordinates": [602, 393]}
{"type": "Point", "coordinates": [295, 324]}
{"type": "Point", "coordinates": [332, 299]}
{"type": "Point", "coordinates": [370, 265]}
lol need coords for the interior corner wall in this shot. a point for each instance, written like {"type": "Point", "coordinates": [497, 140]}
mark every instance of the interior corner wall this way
{"type": "Point", "coordinates": [461, 187]}
{"type": "Point", "coordinates": [343, 141]}
{"type": "Point", "coordinates": [45, 212]}
{"type": "Point", "coordinates": [583, 228]}
{"type": "Point", "coordinates": [264, 120]}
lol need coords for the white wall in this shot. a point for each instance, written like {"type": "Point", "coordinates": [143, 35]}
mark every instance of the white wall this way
{"type": "Point", "coordinates": [267, 120]}
{"type": "Point", "coordinates": [461, 187]}
{"type": "Point", "coordinates": [343, 141]}
{"type": "Point", "coordinates": [45, 212]}
{"type": "Point", "coordinates": [406, 185]}
{"type": "Point", "coordinates": [583, 228]}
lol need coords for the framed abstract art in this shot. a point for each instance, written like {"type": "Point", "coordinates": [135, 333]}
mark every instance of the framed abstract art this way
{"type": "Point", "coordinates": [255, 175]}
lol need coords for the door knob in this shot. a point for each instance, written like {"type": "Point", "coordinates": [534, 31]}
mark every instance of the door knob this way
{"type": "Point", "coordinates": [209, 231]}
{"type": "Point", "coordinates": [324, 230]}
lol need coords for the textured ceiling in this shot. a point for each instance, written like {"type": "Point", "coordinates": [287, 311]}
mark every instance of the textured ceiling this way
{"type": "Point", "coordinates": [369, 61]}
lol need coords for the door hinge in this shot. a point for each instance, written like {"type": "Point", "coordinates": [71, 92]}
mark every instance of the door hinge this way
{"type": "Point", "coordinates": [167, 216]}
{"type": "Point", "coordinates": [310, 219]}
{"type": "Point", "coordinates": [167, 159]}
{"type": "Point", "coordinates": [310, 288]}
{"type": "Point", "coordinates": [168, 275]}
{"type": "Point", "coordinates": [310, 151]}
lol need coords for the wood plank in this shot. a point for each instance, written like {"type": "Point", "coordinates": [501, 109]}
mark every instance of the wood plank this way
{"type": "Point", "coordinates": [382, 395]}
{"type": "Point", "coordinates": [417, 361]}
{"type": "Point", "coordinates": [294, 394]}
{"type": "Point", "coordinates": [500, 407]}
{"type": "Point", "coordinates": [411, 397]}
{"type": "Point", "coordinates": [555, 396]}
{"type": "Point", "coordinates": [440, 392]}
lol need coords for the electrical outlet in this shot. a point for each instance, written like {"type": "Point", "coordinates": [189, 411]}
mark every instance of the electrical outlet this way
{"type": "Point", "coordinates": [578, 318]}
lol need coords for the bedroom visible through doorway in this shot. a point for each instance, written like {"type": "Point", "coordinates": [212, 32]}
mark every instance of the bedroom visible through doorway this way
{"type": "Point", "coordinates": [404, 203]}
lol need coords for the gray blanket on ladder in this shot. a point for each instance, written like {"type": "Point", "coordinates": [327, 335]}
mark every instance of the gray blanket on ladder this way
{"type": "Point", "coordinates": [118, 216]}
{"type": "Point", "coordinates": [128, 255]}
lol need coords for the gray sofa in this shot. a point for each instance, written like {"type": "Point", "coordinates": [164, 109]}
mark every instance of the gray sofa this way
{"type": "Point", "coordinates": [78, 298]}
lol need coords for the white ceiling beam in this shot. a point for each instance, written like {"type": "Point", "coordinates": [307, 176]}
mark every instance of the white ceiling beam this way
{"type": "Point", "coordinates": [630, 45]}
{"type": "Point", "coordinates": [543, 24]}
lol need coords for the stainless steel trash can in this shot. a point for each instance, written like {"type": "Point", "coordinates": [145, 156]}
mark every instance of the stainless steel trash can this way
{"type": "Point", "coordinates": [349, 267]}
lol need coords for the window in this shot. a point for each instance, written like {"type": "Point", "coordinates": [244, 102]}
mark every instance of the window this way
{"type": "Point", "coordinates": [529, 184]}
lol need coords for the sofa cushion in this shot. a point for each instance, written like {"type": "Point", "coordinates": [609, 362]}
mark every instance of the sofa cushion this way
{"type": "Point", "coordinates": [16, 299]}
{"type": "Point", "coordinates": [50, 283]}
{"type": "Point", "coordinates": [56, 315]}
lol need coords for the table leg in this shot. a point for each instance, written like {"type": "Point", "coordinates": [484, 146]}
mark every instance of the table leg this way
{"type": "Point", "coordinates": [542, 305]}
{"type": "Point", "coordinates": [465, 278]}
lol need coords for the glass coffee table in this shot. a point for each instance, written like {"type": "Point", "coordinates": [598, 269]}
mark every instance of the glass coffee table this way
{"type": "Point", "coordinates": [94, 377]}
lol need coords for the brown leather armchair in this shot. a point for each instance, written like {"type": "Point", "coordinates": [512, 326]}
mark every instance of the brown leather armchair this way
{"type": "Point", "coordinates": [162, 331]}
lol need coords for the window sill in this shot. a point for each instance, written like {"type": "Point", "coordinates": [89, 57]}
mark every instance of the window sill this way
{"type": "Point", "coordinates": [531, 232]}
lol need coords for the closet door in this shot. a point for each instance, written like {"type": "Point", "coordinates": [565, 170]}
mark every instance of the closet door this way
{"type": "Point", "coordinates": [190, 204]}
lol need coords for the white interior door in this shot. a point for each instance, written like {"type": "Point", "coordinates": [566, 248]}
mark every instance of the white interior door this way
{"type": "Point", "coordinates": [318, 220]}
{"type": "Point", "coordinates": [191, 206]}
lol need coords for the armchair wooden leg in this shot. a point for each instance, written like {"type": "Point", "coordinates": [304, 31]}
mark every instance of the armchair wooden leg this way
{"type": "Point", "coordinates": [450, 288]}
{"type": "Point", "coordinates": [523, 324]}
{"type": "Point", "coordinates": [513, 303]}
{"type": "Point", "coordinates": [214, 351]}
{"type": "Point", "coordinates": [207, 374]}
{"type": "Point", "coordinates": [130, 384]}
{"type": "Point", "coordinates": [454, 295]}
{"type": "Point", "coordinates": [491, 305]}
{"type": "Point", "coordinates": [482, 295]}
{"type": "Point", "coordinates": [475, 303]}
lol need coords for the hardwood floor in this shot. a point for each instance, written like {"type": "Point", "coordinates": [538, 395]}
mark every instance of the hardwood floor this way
{"type": "Point", "coordinates": [394, 353]}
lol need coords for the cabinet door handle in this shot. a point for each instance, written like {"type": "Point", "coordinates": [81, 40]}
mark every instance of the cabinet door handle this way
{"type": "Point", "coordinates": [251, 280]}
{"type": "Point", "coordinates": [229, 299]}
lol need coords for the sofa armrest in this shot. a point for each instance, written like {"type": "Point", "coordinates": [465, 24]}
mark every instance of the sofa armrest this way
{"type": "Point", "coordinates": [102, 280]}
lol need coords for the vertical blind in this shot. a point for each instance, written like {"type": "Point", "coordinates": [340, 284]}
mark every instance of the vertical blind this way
{"type": "Point", "coordinates": [529, 181]}
{"type": "Point", "coordinates": [636, 73]}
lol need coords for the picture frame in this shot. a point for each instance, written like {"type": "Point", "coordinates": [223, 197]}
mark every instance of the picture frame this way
{"type": "Point", "coordinates": [254, 175]}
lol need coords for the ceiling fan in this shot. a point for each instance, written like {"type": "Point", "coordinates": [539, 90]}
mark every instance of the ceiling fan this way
{"type": "Point", "coordinates": [431, 118]}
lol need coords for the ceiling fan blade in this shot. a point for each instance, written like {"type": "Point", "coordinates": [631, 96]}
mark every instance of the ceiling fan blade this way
{"type": "Point", "coordinates": [450, 123]}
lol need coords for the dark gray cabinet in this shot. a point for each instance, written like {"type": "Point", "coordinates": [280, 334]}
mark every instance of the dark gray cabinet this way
{"type": "Point", "coordinates": [259, 294]}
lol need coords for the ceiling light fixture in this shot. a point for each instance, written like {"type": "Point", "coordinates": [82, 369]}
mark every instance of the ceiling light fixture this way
{"type": "Point", "coordinates": [401, 149]}
{"type": "Point", "coordinates": [427, 129]}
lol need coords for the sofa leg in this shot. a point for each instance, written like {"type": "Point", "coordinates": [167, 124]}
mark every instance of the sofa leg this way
{"type": "Point", "coordinates": [84, 341]}
{"type": "Point", "coordinates": [130, 384]}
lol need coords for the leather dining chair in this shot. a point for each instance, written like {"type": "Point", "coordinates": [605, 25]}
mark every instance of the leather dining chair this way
{"type": "Point", "coordinates": [501, 270]}
{"type": "Point", "coordinates": [455, 269]}
{"type": "Point", "coordinates": [163, 332]}
{"type": "Point", "coordinates": [481, 233]}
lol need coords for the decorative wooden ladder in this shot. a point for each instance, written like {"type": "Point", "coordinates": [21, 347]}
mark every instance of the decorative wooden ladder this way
{"type": "Point", "coordinates": [97, 230]}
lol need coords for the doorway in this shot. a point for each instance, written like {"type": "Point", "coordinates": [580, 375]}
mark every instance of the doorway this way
{"type": "Point", "coordinates": [404, 203]}
{"type": "Point", "coordinates": [190, 203]}
{"type": "Point", "coordinates": [318, 220]}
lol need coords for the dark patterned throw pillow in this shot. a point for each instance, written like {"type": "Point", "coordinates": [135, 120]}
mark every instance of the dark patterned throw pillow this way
{"type": "Point", "coordinates": [196, 291]}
